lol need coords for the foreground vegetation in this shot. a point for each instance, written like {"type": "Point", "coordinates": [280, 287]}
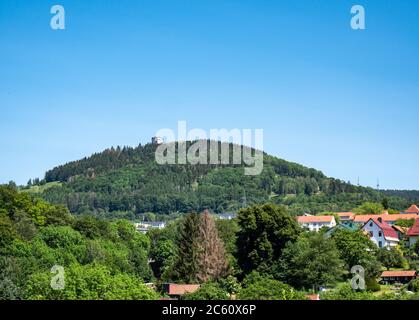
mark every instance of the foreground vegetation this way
{"type": "Point", "coordinates": [263, 254]}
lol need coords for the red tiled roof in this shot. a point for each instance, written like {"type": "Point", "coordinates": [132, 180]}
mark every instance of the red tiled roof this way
{"type": "Point", "coordinates": [181, 289]}
{"type": "Point", "coordinates": [313, 296]}
{"type": "Point", "coordinates": [414, 230]}
{"type": "Point", "coordinates": [398, 273]}
{"type": "Point", "coordinates": [308, 219]}
{"type": "Point", "coordinates": [386, 217]}
{"type": "Point", "coordinates": [388, 231]}
{"type": "Point", "coordinates": [413, 209]}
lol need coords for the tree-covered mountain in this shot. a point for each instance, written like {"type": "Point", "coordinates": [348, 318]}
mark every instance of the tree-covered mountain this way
{"type": "Point", "coordinates": [127, 181]}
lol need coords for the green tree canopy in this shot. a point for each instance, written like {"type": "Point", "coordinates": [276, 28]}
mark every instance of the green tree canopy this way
{"type": "Point", "coordinates": [264, 232]}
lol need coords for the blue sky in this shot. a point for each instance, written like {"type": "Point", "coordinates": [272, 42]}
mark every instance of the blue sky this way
{"type": "Point", "coordinates": [342, 101]}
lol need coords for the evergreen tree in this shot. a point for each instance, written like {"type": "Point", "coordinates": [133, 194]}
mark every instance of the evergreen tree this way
{"type": "Point", "coordinates": [185, 267]}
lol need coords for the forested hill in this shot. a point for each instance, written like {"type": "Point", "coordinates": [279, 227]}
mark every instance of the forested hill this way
{"type": "Point", "coordinates": [126, 181]}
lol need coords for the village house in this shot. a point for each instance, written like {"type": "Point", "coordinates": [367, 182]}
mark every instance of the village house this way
{"type": "Point", "coordinates": [144, 226]}
{"type": "Point", "coordinates": [398, 276]}
{"type": "Point", "coordinates": [345, 216]}
{"type": "Point", "coordinates": [315, 223]}
{"type": "Point", "coordinates": [381, 233]}
{"type": "Point", "coordinates": [413, 233]}
{"type": "Point", "coordinates": [225, 216]}
{"type": "Point", "coordinates": [175, 291]}
{"type": "Point", "coordinates": [413, 209]}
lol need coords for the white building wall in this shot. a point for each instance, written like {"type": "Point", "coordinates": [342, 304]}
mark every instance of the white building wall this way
{"type": "Point", "coordinates": [377, 236]}
{"type": "Point", "coordinates": [316, 226]}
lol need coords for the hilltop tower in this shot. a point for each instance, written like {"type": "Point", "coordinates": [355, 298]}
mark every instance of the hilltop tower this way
{"type": "Point", "coordinates": [157, 140]}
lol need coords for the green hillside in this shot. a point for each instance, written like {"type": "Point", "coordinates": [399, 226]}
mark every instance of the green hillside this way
{"type": "Point", "coordinates": [126, 182]}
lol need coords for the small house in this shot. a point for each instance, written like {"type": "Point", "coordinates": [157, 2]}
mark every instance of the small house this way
{"type": "Point", "coordinates": [381, 233]}
{"type": "Point", "coordinates": [390, 277]}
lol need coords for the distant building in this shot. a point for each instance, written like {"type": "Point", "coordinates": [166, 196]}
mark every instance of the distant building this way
{"type": "Point", "coordinates": [315, 223]}
{"type": "Point", "coordinates": [175, 291]}
{"type": "Point", "coordinates": [345, 216]}
{"type": "Point", "coordinates": [390, 277]}
{"type": "Point", "coordinates": [157, 140]}
{"type": "Point", "coordinates": [381, 233]}
{"type": "Point", "coordinates": [413, 233]}
{"type": "Point", "coordinates": [314, 297]}
{"type": "Point", "coordinates": [412, 209]}
{"type": "Point", "coordinates": [226, 216]}
{"type": "Point", "coordinates": [143, 227]}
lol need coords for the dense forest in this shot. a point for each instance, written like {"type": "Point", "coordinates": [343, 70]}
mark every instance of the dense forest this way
{"type": "Point", "coordinates": [126, 182]}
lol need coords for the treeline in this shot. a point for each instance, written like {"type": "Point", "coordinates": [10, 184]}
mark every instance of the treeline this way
{"type": "Point", "coordinates": [101, 259]}
{"type": "Point", "coordinates": [125, 182]}
{"type": "Point", "coordinates": [410, 195]}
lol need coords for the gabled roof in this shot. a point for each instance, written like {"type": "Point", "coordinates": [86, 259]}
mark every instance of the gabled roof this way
{"type": "Point", "coordinates": [311, 219]}
{"type": "Point", "coordinates": [414, 230]}
{"type": "Point", "coordinates": [388, 231]}
{"type": "Point", "coordinates": [413, 209]}
{"type": "Point", "coordinates": [399, 273]}
{"type": "Point", "coordinates": [181, 289]}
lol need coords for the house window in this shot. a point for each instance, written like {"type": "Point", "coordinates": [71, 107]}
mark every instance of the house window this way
{"type": "Point", "coordinates": [371, 234]}
{"type": "Point", "coordinates": [371, 224]}
{"type": "Point", "coordinates": [380, 234]}
{"type": "Point", "coordinates": [380, 244]}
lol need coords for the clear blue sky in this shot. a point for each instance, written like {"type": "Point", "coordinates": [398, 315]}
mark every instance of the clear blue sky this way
{"type": "Point", "coordinates": [342, 101]}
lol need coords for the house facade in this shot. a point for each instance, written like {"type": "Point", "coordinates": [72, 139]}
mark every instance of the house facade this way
{"type": "Point", "coordinates": [315, 223]}
{"type": "Point", "coordinates": [381, 233]}
{"type": "Point", "coordinates": [413, 233]}
{"type": "Point", "coordinates": [143, 227]}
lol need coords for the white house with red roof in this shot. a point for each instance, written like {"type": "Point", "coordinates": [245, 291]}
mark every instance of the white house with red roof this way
{"type": "Point", "coordinates": [413, 233]}
{"type": "Point", "coordinates": [381, 233]}
{"type": "Point", "coordinates": [315, 223]}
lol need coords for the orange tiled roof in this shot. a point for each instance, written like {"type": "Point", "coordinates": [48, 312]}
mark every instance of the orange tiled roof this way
{"type": "Point", "coordinates": [399, 273]}
{"type": "Point", "coordinates": [308, 219]}
{"type": "Point", "coordinates": [313, 296]}
{"type": "Point", "coordinates": [413, 209]}
{"type": "Point", "coordinates": [181, 289]}
{"type": "Point", "coordinates": [385, 217]}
